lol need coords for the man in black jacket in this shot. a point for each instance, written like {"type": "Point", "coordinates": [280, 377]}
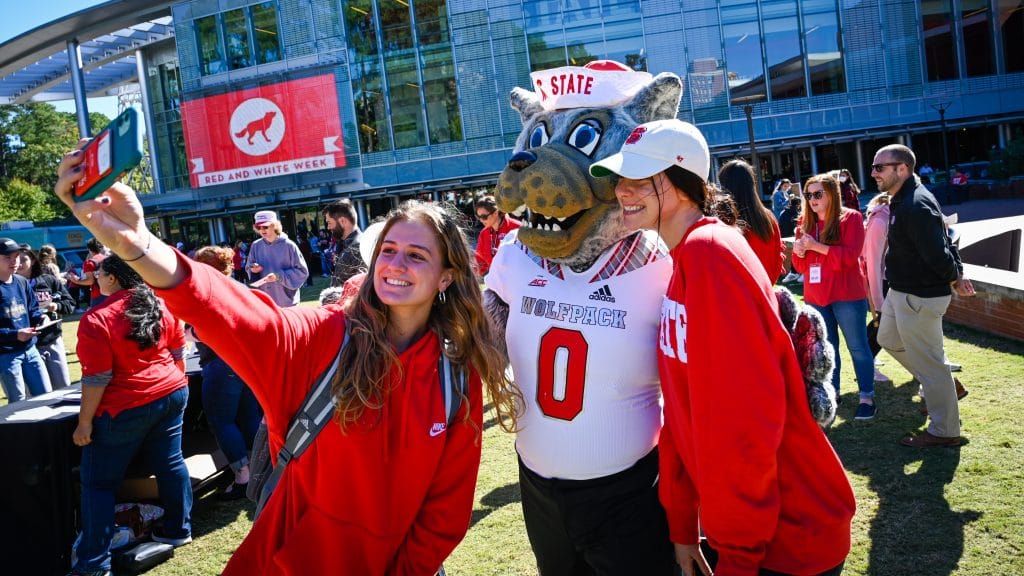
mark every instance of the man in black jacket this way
{"type": "Point", "coordinates": [922, 269]}
{"type": "Point", "coordinates": [340, 217]}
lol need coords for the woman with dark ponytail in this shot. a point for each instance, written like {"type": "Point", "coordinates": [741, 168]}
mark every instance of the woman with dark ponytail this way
{"type": "Point", "coordinates": [134, 392]}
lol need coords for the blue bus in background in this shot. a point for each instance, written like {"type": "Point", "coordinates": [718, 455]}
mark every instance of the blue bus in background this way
{"type": "Point", "coordinates": [68, 240]}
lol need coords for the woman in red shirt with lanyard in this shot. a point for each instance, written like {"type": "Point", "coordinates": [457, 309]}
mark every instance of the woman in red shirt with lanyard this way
{"type": "Point", "coordinates": [827, 251]}
{"type": "Point", "coordinates": [496, 225]}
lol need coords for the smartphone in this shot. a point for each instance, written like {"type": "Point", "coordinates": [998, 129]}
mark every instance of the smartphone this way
{"type": "Point", "coordinates": [111, 154]}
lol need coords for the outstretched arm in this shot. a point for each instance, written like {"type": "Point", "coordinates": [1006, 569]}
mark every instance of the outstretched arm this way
{"type": "Point", "coordinates": [116, 219]}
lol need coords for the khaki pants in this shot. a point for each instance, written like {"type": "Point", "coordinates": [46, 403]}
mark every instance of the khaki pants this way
{"type": "Point", "coordinates": [911, 331]}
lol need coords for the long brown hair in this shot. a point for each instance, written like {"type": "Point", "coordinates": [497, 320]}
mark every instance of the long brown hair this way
{"type": "Point", "coordinates": [809, 220]}
{"type": "Point", "coordinates": [468, 336]}
{"type": "Point", "coordinates": [738, 180]}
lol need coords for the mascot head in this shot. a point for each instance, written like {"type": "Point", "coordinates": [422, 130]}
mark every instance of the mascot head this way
{"type": "Point", "coordinates": [576, 116]}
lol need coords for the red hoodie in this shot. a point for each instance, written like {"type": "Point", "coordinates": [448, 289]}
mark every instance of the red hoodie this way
{"type": "Point", "coordinates": [489, 240]}
{"type": "Point", "coordinates": [842, 275]}
{"type": "Point", "coordinates": [771, 253]}
{"type": "Point", "coordinates": [740, 450]}
{"type": "Point", "coordinates": [391, 495]}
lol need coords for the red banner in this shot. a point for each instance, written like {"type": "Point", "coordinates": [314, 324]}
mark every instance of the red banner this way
{"type": "Point", "coordinates": [273, 130]}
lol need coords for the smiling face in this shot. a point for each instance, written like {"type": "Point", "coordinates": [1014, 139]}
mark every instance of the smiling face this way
{"type": "Point", "coordinates": [642, 202]}
{"type": "Point", "coordinates": [410, 268]}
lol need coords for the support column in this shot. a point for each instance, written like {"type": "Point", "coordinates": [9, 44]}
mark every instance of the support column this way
{"type": "Point", "coordinates": [222, 230]}
{"type": "Point", "coordinates": [361, 214]}
{"type": "Point", "coordinates": [1002, 130]}
{"type": "Point", "coordinates": [211, 228]}
{"type": "Point", "coordinates": [78, 88]}
{"type": "Point", "coordinates": [858, 153]}
{"type": "Point", "coordinates": [814, 159]}
{"type": "Point", "coordinates": [155, 169]}
{"type": "Point", "coordinates": [908, 140]}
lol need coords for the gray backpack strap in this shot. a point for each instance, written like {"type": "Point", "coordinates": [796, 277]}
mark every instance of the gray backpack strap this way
{"type": "Point", "coordinates": [315, 412]}
{"type": "Point", "coordinates": [453, 386]}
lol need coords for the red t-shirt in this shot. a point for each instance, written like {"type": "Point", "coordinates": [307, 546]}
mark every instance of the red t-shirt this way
{"type": "Point", "coordinates": [488, 242]}
{"type": "Point", "coordinates": [138, 376]}
{"type": "Point", "coordinates": [771, 253]}
{"type": "Point", "coordinates": [842, 275]}
{"type": "Point", "coordinates": [391, 495]}
{"type": "Point", "coordinates": [91, 264]}
{"type": "Point", "coordinates": [740, 451]}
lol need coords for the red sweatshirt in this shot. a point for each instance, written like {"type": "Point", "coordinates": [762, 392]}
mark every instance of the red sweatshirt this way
{"type": "Point", "coordinates": [770, 253]}
{"type": "Point", "coordinates": [842, 276]}
{"type": "Point", "coordinates": [488, 242]}
{"type": "Point", "coordinates": [740, 450]}
{"type": "Point", "coordinates": [389, 496]}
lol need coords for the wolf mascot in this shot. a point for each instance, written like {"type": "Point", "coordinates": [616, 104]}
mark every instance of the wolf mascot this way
{"type": "Point", "coordinates": [582, 297]}
{"type": "Point", "coordinates": [579, 296]}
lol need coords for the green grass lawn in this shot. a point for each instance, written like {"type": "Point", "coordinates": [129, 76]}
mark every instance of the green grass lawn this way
{"type": "Point", "coordinates": [920, 512]}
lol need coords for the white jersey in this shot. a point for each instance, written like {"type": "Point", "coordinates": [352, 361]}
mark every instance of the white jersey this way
{"type": "Point", "coordinates": [583, 348]}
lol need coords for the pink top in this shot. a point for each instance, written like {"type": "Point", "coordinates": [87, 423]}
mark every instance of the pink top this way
{"type": "Point", "coordinates": [875, 237]}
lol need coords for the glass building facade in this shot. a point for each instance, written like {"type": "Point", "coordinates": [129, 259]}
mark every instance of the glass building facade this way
{"type": "Point", "coordinates": [422, 85]}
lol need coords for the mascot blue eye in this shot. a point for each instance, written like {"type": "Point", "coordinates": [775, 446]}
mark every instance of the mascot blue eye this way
{"type": "Point", "coordinates": [539, 136]}
{"type": "Point", "coordinates": [586, 137]}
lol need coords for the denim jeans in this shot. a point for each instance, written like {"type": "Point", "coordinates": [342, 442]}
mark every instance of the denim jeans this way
{"type": "Point", "coordinates": [20, 368]}
{"type": "Point", "coordinates": [232, 411]}
{"type": "Point", "coordinates": [155, 430]}
{"type": "Point", "coordinates": [851, 317]}
{"type": "Point", "coordinates": [55, 358]}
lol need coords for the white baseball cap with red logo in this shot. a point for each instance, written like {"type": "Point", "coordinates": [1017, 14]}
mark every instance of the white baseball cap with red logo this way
{"type": "Point", "coordinates": [652, 147]}
{"type": "Point", "coordinates": [598, 84]}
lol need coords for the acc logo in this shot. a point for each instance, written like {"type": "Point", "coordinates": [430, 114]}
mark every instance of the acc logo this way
{"type": "Point", "coordinates": [257, 126]}
{"type": "Point", "coordinates": [635, 135]}
{"type": "Point", "coordinates": [539, 282]}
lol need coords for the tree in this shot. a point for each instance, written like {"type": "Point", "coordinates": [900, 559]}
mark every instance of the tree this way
{"type": "Point", "coordinates": [20, 200]}
{"type": "Point", "coordinates": [35, 136]}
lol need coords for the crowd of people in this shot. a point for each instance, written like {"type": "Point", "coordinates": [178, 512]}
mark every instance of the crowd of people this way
{"type": "Point", "coordinates": [418, 298]}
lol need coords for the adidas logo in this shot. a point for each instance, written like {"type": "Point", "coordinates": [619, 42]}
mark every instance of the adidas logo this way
{"type": "Point", "coordinates": [603, 294]}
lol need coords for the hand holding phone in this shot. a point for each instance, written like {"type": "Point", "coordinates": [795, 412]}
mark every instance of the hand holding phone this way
{"type": "Point", "coordinates": [112, 153]}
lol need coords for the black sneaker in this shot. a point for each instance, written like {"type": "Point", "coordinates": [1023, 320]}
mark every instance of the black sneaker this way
{"type": "Point", "coordinates": [158, 535]}
{"type": "Point", "coordinates": [865, 411]}
{"type": "Point", "coordinates": [235, 491]}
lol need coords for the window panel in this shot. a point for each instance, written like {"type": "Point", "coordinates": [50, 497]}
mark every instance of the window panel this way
{"type": "Point", "coordinates": [782, 47]}
{"type": "Point", "coordinates": [743, 54]}
{"type": "Point", "coordinates": [1011, 22]}
{"type": "Point", "coordinates": [431, 22]}
{"type": "Point", "coordinates": [211, 57]}
{"type": "Point", "coordinates": [824, 43]}
{"type": "Point", "coordinates": [444, 123]}
{"type": "Point", "coordinates": [236, 39]}
{"type": "Point", "coordinates": [546, 50]}
{"type": "Point", "coordinates": [265, 29]}
{"type": "Point", "coordinates": [360, 28]}
{"type": "Point", "coordinates": [396, 25]}
{"type": "Point", "coordinates": [404, 96]}
{"type": "Point", "coordinates": [978, 49]}
{"type": "Point", "coordinates": [705, 74]}
{"type": "Point", "coordinates": [371, 112]}
{"type": "Point", "coordinates": [940, 50]}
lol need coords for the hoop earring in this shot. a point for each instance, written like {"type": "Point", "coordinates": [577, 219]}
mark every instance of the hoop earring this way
{"type": "Point", "coordinates": [441, 297]}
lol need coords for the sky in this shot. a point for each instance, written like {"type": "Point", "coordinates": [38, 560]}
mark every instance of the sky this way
{"type": "Point", "coordinates": [20, 16]}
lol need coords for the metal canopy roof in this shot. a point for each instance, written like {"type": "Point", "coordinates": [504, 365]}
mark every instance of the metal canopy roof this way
{"type": "Point", "coordinates": [34, 65]}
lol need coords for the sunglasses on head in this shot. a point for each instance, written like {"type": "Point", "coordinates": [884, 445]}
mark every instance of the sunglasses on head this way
{"type": "Point", "coordinates": [483, 215]}
{"type": "Point", "coordinates": [815, 195]}
{"type": "Point", "coordinates": [880, 167]}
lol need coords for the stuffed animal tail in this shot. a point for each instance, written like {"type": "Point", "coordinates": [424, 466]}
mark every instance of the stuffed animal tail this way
{"type": "Point", "coordinates": [807, 329]}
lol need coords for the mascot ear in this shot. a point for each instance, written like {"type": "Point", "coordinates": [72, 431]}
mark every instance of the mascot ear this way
{"type": "Point", "coordinates": [525, 102]}
{"type": "Point", "coordinates": [659, 100]}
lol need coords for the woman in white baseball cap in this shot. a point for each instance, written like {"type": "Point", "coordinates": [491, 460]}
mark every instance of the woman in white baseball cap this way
{"type": "Point", "coordinates": [742, 458]}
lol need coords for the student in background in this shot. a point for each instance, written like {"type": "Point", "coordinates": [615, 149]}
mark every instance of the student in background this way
{"type": "Point", "coordinates": [759, 225]}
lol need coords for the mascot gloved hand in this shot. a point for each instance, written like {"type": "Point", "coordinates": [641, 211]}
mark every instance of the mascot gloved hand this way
{"type": "Point", "coordinates": [814, 352]}
{"type": "Point", "coordinates": [580, 296]}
